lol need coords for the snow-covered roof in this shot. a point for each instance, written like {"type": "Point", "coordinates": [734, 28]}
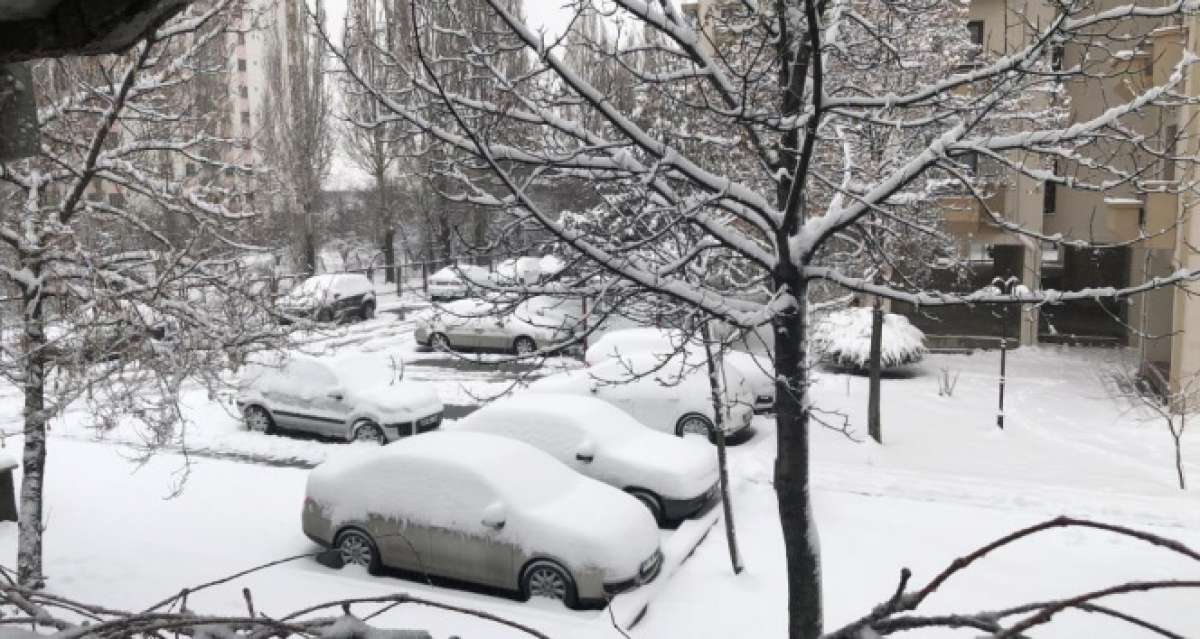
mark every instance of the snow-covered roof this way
{"type": "Point", "coordinates": [597, 418]}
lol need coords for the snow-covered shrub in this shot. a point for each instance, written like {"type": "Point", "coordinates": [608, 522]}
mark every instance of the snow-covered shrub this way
{"type": "Point", "coordinates": [843, 339]}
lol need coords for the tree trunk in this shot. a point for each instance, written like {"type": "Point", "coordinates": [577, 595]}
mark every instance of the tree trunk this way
{"type": "Point", "coordinates": [874, 429]}
{"type": "Point", "coordinates": [309, 249]}
{"type": "Point", "coordinates": [33, 471]}
{"type": "Point", "coordinates": [714, 386]}
{"type": "Point", "coordinates": [791, 464]}
{"type": "Point", "coordinates": [389, 254]}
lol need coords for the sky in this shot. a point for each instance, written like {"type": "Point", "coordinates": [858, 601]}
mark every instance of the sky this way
{"type": "Point", "coordinates": [546, 14]}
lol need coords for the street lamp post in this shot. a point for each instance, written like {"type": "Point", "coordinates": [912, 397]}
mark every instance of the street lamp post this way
{"type": "Point", "coordinates": [1005, 287]}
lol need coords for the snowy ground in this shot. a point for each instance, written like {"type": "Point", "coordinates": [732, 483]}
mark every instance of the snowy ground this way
{"type": "Point", "coordinates": [946, 482]}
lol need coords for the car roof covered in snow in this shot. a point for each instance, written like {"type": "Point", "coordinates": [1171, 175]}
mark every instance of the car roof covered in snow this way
{"type": "Point", "coordinates": [632, 341]}
{"type": "Point", "coordinates": [598, 418]}
{"type": "Point", "coordinates": [520, 473]}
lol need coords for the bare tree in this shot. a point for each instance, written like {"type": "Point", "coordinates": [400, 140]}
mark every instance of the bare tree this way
{"type": "Point", "coordinates": [378, 150]}
{"type": "Point", "coordinates": [1172, 408]}
{"type": "Point", "coordinates": [295, 139]}
{"type": "Point", "coordinates": [766, 158]}
{"type": "Point", "coordinates": [122, 238]}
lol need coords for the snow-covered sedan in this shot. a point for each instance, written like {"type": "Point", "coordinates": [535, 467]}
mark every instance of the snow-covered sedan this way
{"type": "Point", "coordinates": [351, 398]}
{"type": "Point", "coordinates": [757, 368]}
{"type": "Point", "coordinates": [457, 282]}
{"type": "Point", "coordinates": [328, 297]}
{"type": "Point", "coordinates": [670, 397]}
{"type": "Point", "coordinates": [474, 324]}
{"type": "Point", "coordinates": [673, 477]}
{"type": "Point", "coordinates": [483, 509]}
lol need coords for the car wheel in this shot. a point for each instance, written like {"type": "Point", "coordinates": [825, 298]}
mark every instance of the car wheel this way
{"type": "Point", "coordinates": [368, 431]}
{"type": "Point", "coordinates": [546, 579]}
{"type": "Point", "coordinates": [258, 419]}
{"type": "Point", "coordinates": [358, 549]}
{"type": "Point", "coordinates": [439, 342]}
{"type": "Point", "coordinates": [695, 424]}
{"type": "Point", "coordinates": [524, 346]}
{"type": "Point", "coordinates": [325, 315]}
{"type": "Point", "coordinates": [367, 312]}
{"type": "Point", "coordinates": [650, 501]}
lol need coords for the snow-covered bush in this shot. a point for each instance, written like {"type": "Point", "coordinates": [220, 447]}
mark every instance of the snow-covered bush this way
{"type": "Point", "coordinates": [843, 339]}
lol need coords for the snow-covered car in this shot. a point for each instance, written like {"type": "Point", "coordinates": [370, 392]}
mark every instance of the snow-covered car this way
{"type": "Point", "coordinates": [351, 398]}
{"type": "Point", "coordinates": [669, 397]}
{"type": "Point", "coordinates": [843, 339]}
{"type": "Point", "coordinates": [483, 509]}
{"type": "Point", "coordinates": [328, 297]}
{"type": "Point", "coordinates": [673, 477]}
{"type": "Point", "coordinates": [474, 324]}
{"type": "Point", "coordinates": [457, 282]}
{"type": "Point", "coordinates": [756, 367]}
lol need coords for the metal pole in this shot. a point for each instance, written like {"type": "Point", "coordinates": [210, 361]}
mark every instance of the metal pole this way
{"type": "Point", "coordinates": [425, 277]}
{"type": "Point", "coordinates": [1003, 365]}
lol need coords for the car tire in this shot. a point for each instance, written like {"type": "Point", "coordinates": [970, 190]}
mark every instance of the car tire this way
{"type": "Point", "coordinates": [358, 549]}
{"type": "Point", "coordinates": [258, 419]}
{"type": "Point", "coordinates": [545, 578]}
{"type": "Point", "coordinates": [367, 311]}
{"type": "Point", "coordinates": [695, 424]}
{"type": "Point", "coordinates": [366, 430]}
{"type": "Point", "coordinates": [325, 315]}
{"type": "Point", "coordinates": [651, 502]}
{"type": "Point", "coordinates": [524, 345]}
{"type": "Point", "coordinates": [439, 342]}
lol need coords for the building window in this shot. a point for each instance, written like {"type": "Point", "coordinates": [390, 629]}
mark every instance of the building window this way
{"type": "Point", "coordinates": [1051, 253]}
{"type": "Point", "coordinates": [1056, 57]}
{"type": "Point", "coordinates": [975, 30]}
{"type": "Point", "coordinates": [968, 160]}
{"type": "Point", "coordinates": [979, 252]}
{"type": "Point", "coordinates": [241, 64]}
{"type": "Point", "coordinates": [243, 91]}
{"type": "Point", "coordinates": [245, 118]}
{"type": "Point", "coordinates": [190, 169]}
{"type": "Point", "coordinates": [241, 37]}
{"type": "Point", "coordinates": [1050, 192]}
{"type": "Point", "coordinates": [117, 200]}
{"type": "Point", "coordinates": [1168, 165]}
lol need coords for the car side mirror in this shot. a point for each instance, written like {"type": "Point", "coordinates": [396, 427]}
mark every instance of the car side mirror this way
{"type": "Point", "coordinates": [337, 395]}
{"type": "Point", "coordinates": [586, 452]}
{"type": "Point", "coordinates": [494, 516]}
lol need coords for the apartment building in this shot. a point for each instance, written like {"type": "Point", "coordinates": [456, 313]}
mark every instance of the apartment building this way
{"type": "Point", "coordinates": [1145, 227]}
{"type": "Point", "coordinates": [1148, 231]}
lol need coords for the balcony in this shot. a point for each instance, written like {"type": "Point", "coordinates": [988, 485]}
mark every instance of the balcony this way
{"type": "Point", "coordinates": [963, 213]}
{"type": "Point", "coordinates": [1150, 214]}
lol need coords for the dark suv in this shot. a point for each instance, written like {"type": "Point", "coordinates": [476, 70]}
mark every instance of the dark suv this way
{"type": "Point", "coordinates": [329, 297]}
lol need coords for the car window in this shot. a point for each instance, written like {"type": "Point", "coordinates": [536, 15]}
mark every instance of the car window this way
{"type": "Point", "coordinates": [354, 284]}
{"type": "Point", "coordinates": [560, 438]}
{"type": "Point", "coordinates": [441, 494]}
{"type": "Point", "coordinates": [310, 375]}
